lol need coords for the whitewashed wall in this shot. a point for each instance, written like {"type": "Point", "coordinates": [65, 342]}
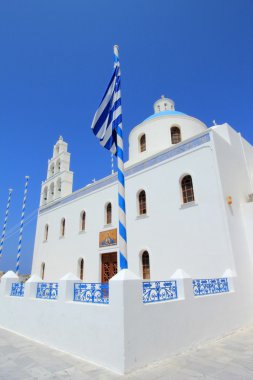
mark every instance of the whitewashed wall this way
{"type": "Point", "coordinates": [195, 236]}
{"type": "Point", "coordinates": [126, 334]}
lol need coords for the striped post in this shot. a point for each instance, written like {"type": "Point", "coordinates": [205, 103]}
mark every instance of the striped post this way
{"type": "Point", "coordinates": [112, 163]}
{"type": "Point", "coordinates": [22, 225]}
{"type": "Point", "coordinates": [121, 177]}
{"type": "Point", "coordinates": [5, 223]}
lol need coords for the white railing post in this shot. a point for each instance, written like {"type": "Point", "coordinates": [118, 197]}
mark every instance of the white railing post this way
{"type": "Point", "coordinates": [231, 276]}
{"type": "Point", "coordinates": [66, 287]}
{"type": "Point", "coordinates": [125, 300]}
{"type": "Point", "coordinates": [6, 283]}
{"type": "Point", "coordinates": [31, 286]}
{"type": "Point", "coordinates": [184, 285]}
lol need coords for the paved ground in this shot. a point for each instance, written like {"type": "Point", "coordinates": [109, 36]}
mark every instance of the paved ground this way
{"type": "Point", "coordinates": [228, 358]}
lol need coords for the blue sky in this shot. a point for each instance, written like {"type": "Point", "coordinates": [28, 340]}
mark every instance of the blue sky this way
{"type": "Point", "coordinates": [57, 58]}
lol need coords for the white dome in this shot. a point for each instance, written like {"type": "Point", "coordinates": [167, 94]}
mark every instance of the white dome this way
{"type": "Point", "coordinates": [162, 130]}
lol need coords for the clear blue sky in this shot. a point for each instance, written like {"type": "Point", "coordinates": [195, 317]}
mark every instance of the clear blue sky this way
{"type": "Point", "coordinates": [56, 60]}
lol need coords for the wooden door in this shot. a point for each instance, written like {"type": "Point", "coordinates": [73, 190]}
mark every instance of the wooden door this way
{"type": "Point", "coordinates": [109, 266]}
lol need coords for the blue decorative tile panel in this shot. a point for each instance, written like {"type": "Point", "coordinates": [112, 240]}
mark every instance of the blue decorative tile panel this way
{"type": "Point", "coordinates": [47, 290]}
{"type": "Point", "coordinates": [210, 286]}
{"type": "Point", "coordinates": [91, 292]}
{"type": "Point", "coordinates": [17, 289]}
{"type": "Point", "coordinates": [157, 291]}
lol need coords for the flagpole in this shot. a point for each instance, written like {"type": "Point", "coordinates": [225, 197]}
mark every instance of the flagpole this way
{"type": "Point", "coordinates": [121, 180]}
{"type": "Point", "coordinates": [5, 223]}
{"type": "Point", "coordinates": [22, 225]}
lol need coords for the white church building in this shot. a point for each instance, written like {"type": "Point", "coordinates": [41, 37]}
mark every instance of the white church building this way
{"type": "Point", "coordinates": [185, 185]}
{"type": "Point", "coordinates": [189, 202]}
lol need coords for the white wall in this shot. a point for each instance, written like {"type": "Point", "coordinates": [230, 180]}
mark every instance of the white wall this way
{"type": "Point", "coordinates": [191, 236]}
{"type": "Point", "coordinates": [233, 175]}
{"type": "Point", "coordinates": [126, 334]}
{"type": "Point", "coordinates": [61, 254]}
{"type": "Point", "coordinates": [158, 136]}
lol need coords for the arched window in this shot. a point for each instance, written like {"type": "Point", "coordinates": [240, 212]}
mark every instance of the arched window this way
{"type": "Point", "coordinates": [142, 142]}
{"type": "Point", "coordinates": [51, 192]}
{"type": "Point", "coordinates": [46, 232]}
{"type": "Point", "coordinates": [58, 165]}
{"type": "Point", "coordinates": [42, 271]}
{"type": "Point", "coordinates": [63, 223]}
{"type": "Point", "coordinates": [187, 189]}
{"type": "Point", "coordinates": [108, 217]}
{"type": "Point", "coordinates": [59, 186]}
{"type": "Point", "coordinates": [142, 203]}
{"type": "Point", "coordinates": [52, 169]}
{"type": "Point", "coordinates": [45, 195]}
{"type": "Point", "coordinates": [145, 265]}
{"type": "Point", "coordinates": [175, 135]}
{"type": "Point", "coordinates": [82, 220]}
{"type": "Point", "coordinates": [81, 268]}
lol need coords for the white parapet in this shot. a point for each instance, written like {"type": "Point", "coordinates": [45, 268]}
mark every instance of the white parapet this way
{"type": "Point", "coordinates": [66, 285]}
{"type": "Point", "coordinates": [6, 282]}
{"type": "Point", "coordinates": [31, 286]}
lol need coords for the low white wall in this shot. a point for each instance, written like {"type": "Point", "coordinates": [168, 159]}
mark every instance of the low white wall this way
{"type": "Point", "coordinates": [155, 331]}
{"type": "Point", "coordinates": [125, 334]}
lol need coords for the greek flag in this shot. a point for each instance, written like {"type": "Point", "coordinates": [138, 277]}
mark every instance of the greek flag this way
{"type": "Point", "coordinates": [108, 116]}
{"type": "Point", "coordinates": [107, 126]}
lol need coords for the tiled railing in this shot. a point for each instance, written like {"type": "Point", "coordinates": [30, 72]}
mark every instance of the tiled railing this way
{"type": "Point", "coordinates": [47, 290]}
{"type": "Point", "coordinates": [204, 287]}
{"type": "Point", "coordinates": [157, 291]}
{"type": "Point", "coordinates": [91, 292]}
{"type": "Point", "coordinates": [17, 289]}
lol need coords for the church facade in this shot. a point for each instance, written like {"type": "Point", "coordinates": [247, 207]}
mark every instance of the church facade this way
{"type": "Point", "coordinates": [189, 200]}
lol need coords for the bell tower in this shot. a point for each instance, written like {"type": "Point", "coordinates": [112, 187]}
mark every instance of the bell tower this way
{"type": "Point", "coordinates": [59, 180]}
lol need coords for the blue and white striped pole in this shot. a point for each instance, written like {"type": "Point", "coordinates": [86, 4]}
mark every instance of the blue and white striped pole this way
{"type": "Point", "coordinates": [22, 225]}
{"type": "Point", "coordinates": [5, 223]}
{"type": "Point", "coordinates": [121, 177]}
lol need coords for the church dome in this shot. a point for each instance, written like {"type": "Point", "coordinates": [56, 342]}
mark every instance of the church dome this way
{"type": "Point", "coordinates": [164, 129]}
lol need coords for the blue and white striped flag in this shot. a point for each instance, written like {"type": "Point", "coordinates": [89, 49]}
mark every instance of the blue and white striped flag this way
{"type": "Point", "coordinates": [108, 116]}
{"type": "Point", "coordinates": [107, 127]}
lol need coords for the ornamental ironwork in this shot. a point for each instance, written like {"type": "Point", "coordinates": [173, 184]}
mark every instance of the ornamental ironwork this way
{"type": "Point", "coordinates": [205, 287]}
{"type": "Point", "coordinates": [47, 290]}
{"type": "Point", "coordinates": [91, 292]}
{"type": "Point", "coordinates": [158, 291]}
{"type": "Point", "coordinates": [17, 289]}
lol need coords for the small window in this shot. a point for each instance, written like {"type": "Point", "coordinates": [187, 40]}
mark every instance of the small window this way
{"type": "Point", "coordinates": [42, 271]}
{"type": "Point", "coordinates": [82, 221]}
{"type": "Point", "coordinates": [46, 232]}
{"type": "Point", "coordinates": [58, 165]}
{"type": "Point", "coordinates": [45, 194]}
{"type": "Point", "coordinates": [81, 267]}
{"type": "Point", "coordinates": [145, 266]}
{"type": "Point", "coordinates": [187, 189]}
{"type": "Point", "coordinates": [109, 213]}
{"type": "Point", "coordinates": [52, 190]}
{"type": "Point", "coordinates": [143, 143]}
{"type": "Point", "coordinates": [59, 186]}
{"type": "Point", "coordinates": [52, 169]}
{"type": "Point", "coordinates": [142, 203]}
{"type": "Point", "coordinates": [175, 135]}
{"type": "Point", "coordinates": [63, 224]}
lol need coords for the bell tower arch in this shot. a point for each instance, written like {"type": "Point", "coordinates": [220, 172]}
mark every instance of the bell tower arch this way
{"type": "Point", "coordinates": [59, 182]}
